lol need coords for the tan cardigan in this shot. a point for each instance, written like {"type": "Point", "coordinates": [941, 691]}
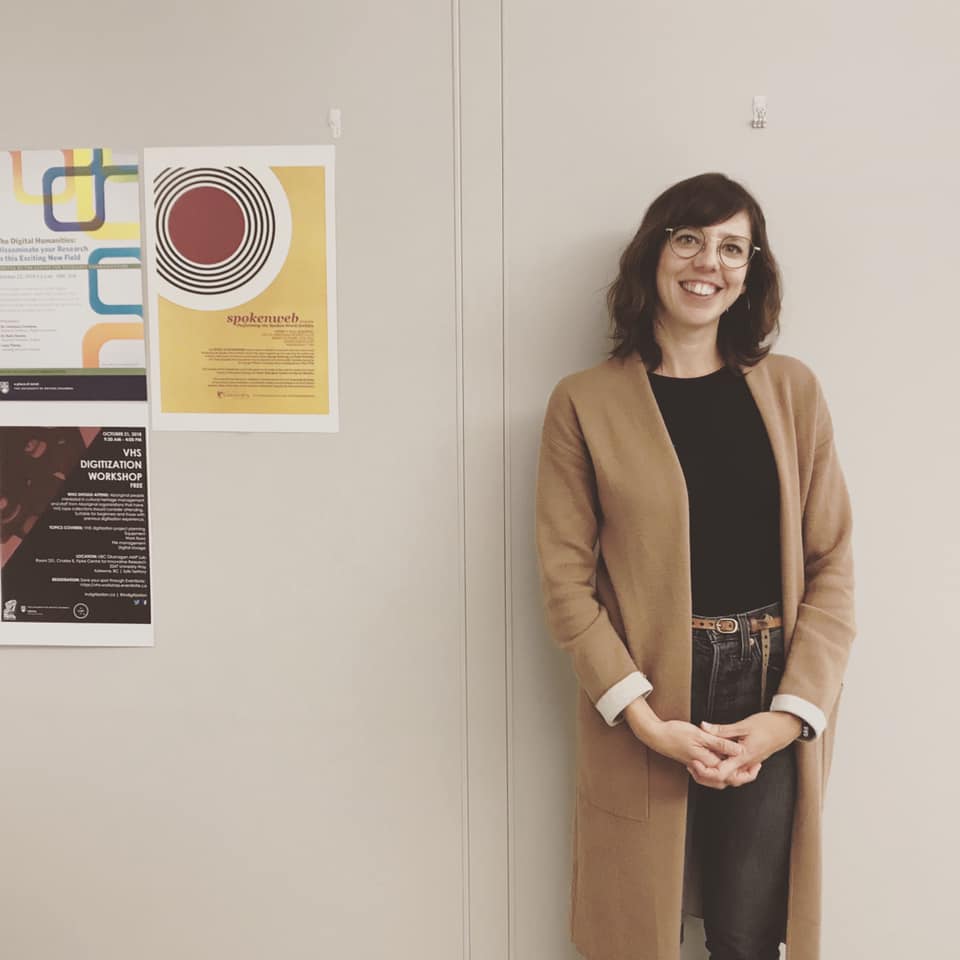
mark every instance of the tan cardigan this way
{"type": "Point", "coordinates": [608, 477]}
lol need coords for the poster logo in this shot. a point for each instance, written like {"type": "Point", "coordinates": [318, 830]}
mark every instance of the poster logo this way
{"type": "Point", "coordinates": [222, 234]}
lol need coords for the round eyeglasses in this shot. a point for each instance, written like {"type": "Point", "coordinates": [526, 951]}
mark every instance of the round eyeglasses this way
{"type": "Point", "coordinates": [687, 242]}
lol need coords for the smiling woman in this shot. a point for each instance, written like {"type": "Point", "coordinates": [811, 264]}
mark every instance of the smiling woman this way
{"type": "Point", "coordinates": [705, 230]}
{"type": "Point", "coordinates": [694, 537]}
{"type": "Point", "coordinates": [689, 274]}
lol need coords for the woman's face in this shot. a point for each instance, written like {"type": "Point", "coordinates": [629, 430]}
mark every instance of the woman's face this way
{"type": "Point", "coordinates": [719, 285]}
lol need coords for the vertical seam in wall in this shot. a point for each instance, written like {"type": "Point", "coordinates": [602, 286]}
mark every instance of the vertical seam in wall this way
{"type": "Point", "coordinates": [461, 480]}
{"type": "Point", "coordinates": [507, 504]}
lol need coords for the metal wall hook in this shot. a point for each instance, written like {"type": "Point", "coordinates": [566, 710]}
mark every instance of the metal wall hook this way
{"type": "Point", "coordinates": [335, 122]}
{"type": "Point", "coordinates": [759, 112]}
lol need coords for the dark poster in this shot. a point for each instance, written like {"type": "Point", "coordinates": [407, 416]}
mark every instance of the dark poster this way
{"type": "Point", "coordinates": [73, 531]}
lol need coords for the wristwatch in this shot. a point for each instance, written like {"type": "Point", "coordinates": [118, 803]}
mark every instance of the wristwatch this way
{"type": "Point", "coordinates": [806, 731]}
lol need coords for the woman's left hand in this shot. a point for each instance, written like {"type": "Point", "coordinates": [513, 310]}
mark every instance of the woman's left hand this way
{"type": "Point", "coordinates": [760, 734]}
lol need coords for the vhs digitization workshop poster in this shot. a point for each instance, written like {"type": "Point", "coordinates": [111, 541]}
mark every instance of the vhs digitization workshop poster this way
{"type": "Point", "coordinates": [74, 536]}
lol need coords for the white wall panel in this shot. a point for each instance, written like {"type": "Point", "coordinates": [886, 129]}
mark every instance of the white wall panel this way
{"type": "Point", "coordinates": [603, 109]}
{"type": "Point", "coordinates": [282, 776]}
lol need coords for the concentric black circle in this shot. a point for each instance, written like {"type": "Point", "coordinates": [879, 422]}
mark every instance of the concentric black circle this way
{"type": "Point", "coordinates": [247, 261]}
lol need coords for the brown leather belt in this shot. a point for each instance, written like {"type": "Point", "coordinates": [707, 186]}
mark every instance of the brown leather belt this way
{"type": "Point", "coordinates": [732, 625]}
{"type": "Point", "coordinates": [762, 625]}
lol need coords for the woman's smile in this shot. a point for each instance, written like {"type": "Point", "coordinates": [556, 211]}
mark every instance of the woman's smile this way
{"type": "Point", "coordinates": [700, 289]}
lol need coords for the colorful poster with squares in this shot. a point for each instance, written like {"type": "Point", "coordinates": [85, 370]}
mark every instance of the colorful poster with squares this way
{"type": "Point", "coordinates": [71, 302]}
{"type": "Point", "coordinates": [241, 288]}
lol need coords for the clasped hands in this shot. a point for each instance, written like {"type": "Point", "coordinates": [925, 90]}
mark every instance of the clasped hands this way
{"type": "Point", "coordinates": [723, 755]}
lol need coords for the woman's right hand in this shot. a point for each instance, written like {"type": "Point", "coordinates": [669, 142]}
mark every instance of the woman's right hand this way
{"type": "Point", "coordinates": [677, 739]}
{"type": "Point", "coordinates": [685, 742]}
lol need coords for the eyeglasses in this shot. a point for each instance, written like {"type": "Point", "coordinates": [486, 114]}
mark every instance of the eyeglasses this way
{"type": "Point", "coordinates": [687, 242]}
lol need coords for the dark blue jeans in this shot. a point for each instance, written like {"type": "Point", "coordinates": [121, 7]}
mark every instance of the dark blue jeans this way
{"type": "Point", "coordinates": [742, 834]}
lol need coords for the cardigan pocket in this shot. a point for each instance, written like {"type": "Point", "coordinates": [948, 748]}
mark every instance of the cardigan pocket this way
{"type": "Point", "coordinates": [612, 765]}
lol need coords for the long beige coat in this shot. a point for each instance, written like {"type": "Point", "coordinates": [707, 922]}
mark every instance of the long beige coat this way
{"type": "Point", "coordinates": [608, 474]}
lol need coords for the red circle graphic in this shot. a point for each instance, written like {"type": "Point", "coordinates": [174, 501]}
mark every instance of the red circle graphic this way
{"type": "Point", "coordinates": [206, 225]}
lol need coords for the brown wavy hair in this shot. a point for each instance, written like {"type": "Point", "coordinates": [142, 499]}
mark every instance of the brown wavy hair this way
{"type": "Point", "coordinates": [632, 298]}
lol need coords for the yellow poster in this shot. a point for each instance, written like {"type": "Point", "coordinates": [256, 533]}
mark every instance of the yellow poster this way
{"type": "Point", "coordinates": [241, 285]}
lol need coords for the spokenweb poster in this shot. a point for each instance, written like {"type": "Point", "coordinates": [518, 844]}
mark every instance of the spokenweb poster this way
{"type": "Point", "coordinates": [240, 281]}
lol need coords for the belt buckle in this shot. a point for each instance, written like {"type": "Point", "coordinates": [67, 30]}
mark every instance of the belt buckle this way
{"type": "Point", "coordinates": [732, 625]}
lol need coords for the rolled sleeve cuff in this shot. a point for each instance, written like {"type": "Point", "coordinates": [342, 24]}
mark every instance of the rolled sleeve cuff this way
{"type": "Point", "coordinates": [804, 709]}
{"type": "Point", "coordinates": [612, 704]}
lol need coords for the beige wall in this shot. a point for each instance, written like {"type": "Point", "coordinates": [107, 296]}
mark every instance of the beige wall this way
{"type": "Point", "coordinates": [353, 737]}
{"type": "Point", "coordinates": [282, 776]}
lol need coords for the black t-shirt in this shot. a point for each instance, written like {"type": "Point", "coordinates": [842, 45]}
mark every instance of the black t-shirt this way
{"type": "Point", "coordinates": [732, 486]}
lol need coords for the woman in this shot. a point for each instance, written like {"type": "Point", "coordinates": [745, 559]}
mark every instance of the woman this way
{"type": "Point", "coordinates": [694, 540]}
